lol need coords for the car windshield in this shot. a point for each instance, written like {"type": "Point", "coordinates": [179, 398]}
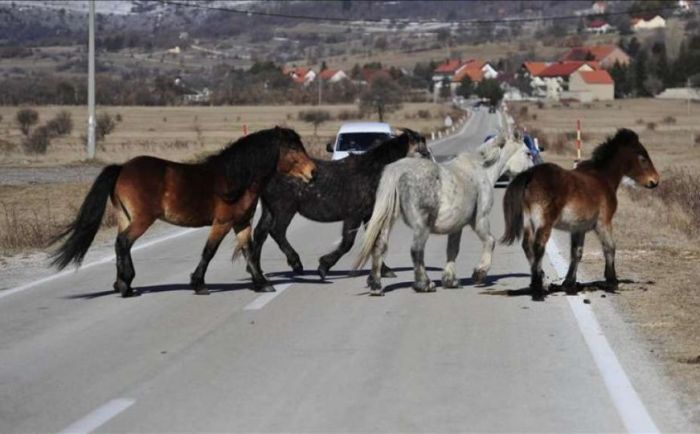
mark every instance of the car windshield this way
{"type": "Point", "coordinates": [360, 141]}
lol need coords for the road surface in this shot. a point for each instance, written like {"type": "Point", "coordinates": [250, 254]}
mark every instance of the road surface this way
{"type": "Point", "coordinates": [314, 356]}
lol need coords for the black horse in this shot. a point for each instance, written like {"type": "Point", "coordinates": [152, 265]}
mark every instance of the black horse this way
{"type": "Point", "coordinates": [343, 190]}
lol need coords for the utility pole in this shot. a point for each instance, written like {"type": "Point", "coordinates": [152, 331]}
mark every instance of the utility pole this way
{"type": "Point", "coordinates": [320, 87]}
{"type": "Point", "coordinates": [91, 82]}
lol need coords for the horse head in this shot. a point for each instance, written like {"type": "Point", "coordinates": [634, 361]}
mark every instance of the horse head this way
{"type": "Point", "coordinates": [634, 158]}
{"type": "Point", "coordinates": [293, 159]}
{"type": "Point", "coordinates": [417, 145]}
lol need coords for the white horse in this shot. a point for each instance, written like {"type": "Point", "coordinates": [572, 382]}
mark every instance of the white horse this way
{"type": "Point", "coordinates": [441, 199]}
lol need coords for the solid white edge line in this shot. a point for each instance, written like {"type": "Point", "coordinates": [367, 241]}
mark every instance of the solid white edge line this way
{"type": "Point", "coordinates": [263, 299]}
{"type": "Point", "coordinates": [629, 405]}
{"type": "Point", "coordinates": [7, 292]}
{"type": "Point", "coordinates": [99, 416]}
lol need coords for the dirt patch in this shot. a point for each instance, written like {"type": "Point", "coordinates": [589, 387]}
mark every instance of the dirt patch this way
{"type": "Point", "coordinates": [658, 245]}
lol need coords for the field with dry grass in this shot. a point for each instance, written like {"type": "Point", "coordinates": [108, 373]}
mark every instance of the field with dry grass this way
{"type": "Point", "coordinates": [657, 231]}
{"type": "Point", "coordinates": [41, 194]}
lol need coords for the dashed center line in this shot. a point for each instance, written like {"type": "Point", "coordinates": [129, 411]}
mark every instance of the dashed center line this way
{"type": "Point", "coordinates": [99, 417]}
{"type": "Point", "coordinates": [264, 299]}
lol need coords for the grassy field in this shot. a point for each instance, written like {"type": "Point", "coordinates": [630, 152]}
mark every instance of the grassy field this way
{"type": "Point", "coordinates": [657, 232]}
{"type": "Point", "coordinates": [182, 132]}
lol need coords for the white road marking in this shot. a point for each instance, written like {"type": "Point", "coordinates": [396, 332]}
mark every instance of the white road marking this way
{"type": "Point", "coordinates": [110, 258]}
{"type": "Point", "coordinates": [262, 300]}
{"type": "Point", "coordinates": [98, 417]}
{"type": "Point", "coordinates": [629, 405]}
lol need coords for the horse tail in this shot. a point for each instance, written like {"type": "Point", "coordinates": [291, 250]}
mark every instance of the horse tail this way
{"type": "Point", "coordinates": [243, 240]}
{"type": "Point", "coordinates": [386, 209]}
{"type": "Point", "coordinates": [83, 229]}
{"type": "Point", "coordinates": [513, 206]}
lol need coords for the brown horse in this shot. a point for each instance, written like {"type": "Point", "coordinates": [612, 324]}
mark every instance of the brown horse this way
{"type": "Point", "coordinates": [576, 201]}
{"type": "Point", "coordinates": [221, 191]}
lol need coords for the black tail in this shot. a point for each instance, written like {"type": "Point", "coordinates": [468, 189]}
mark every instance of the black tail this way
{"type": "Point", "coordinates": [513, 206]}
{"type": "Point", "coordinates": [85, 226]}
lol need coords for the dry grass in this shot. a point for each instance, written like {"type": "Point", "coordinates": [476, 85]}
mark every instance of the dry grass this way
{"type": "Point", "coordinates": [186, 130]}
{"type": "Point", "coordinates": [31, 215]}
{"type": "Point", "coordinates": [657, 232]}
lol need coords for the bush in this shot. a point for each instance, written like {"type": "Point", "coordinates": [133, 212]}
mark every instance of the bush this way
{"type": "Point", "coordinates": [639, 121]}
{"type": "Point", "coordinates": [61, 124]}
{"type": "Point", "coordinates": [104, 125]}
{"type": "Point", "coordinates": [540, 105]}
{"type": "Point", "coordinates": [668, 120]}
{"type": "Point", "coordinates": [315, 117]}
{"type": "Point", "coordinates": [423, 114]}
{"type": "Point", "coordinates": [651, 126]}
{"type": "Point", "coordinates": [118, 117]}
{"type": "Point", "coordinates": [38, 142]}
{"type": "Point", "coordinates": [26, 118]}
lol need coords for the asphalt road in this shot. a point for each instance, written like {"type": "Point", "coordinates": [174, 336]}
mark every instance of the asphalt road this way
{"type": "Point", "coordinates": [312, 357]}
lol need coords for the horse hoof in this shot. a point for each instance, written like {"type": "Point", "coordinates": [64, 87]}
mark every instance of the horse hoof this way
{"type": "Point", "coordinates": [569, 288]}
{"type": "Point", "coordinates": [298, 269]}
{"type": "Point", "coordinates": [130, 292]}
{"type": "Point", "coordinates": [322, 272]}
{"type": "Point", "coordinates": [265, 288]}
{"type": "Point", "coordinates": [479, 276]}
{"type": "Point", "coordinates": [450, 283]}
{"type": "Point", "coordinates": [376, 292]}
{"type": "Point", "coordinates": [201, 291]}
{"type": "Point", "coordinates": [388, 272]}
{"type": "Point", "coordinates": [424, 287]}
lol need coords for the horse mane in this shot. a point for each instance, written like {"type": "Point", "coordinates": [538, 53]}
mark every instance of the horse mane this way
{"type": "Point", "coordinates": [607, 150]}
{"type": "Point", "coordinates": [251, 158]}
{"type": "Point", "coordinates": [388, 151]}
{"type": "Point", "coordinates": [488, 153]}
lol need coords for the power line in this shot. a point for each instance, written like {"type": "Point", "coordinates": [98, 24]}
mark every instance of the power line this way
{"type": "Point", "coordinates": [248, 12]}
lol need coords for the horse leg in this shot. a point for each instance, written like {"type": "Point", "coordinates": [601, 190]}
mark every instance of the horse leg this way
{"type": "Point", "coordinates": [604, 232]}
{"type": "Point", "coordinates": [374, 280]}
{"type": "Point", "coordinates": [449, 276]}
{"type": "Point", "coordinates": [279, 234]}
{"type": "Point", "coordinates": [386, 270]}
{"type": "Point", "coordinates": [259, 236]}
{"type": "Point", "coordinates": [482, 228]}
{"type": "Point", "coordinates": [243, 244]}
{"type": "Point", "coordinates": [325, 263]}
{"type": "Point", "coordinates": [529, 244]}
{"type": "Point", "coordinates": [422, 282]}
{"type": "Point", "coordinates": [577, 240]}
{"type": "Point", "coordinates": [541, 237]}
{"type": "Point", "coordinates": [125, 240]}
{"type": "Point", "coordinates": [216, 234]}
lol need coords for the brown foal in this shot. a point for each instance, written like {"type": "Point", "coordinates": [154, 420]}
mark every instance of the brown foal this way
{"type": "Point", "coordinates": [577, 201]}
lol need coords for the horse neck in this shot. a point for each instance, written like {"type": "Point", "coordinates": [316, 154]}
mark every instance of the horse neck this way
{"type": "Point", "coordinates": [611, 172]}
{"type": "Point", "coordinates": [496, 170]}
{"type": "Point", "coordinates": [388, 152]}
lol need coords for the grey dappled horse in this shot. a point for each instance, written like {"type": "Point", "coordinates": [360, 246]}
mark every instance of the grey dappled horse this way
{"type": "Point", "coordinates": [441, 199]}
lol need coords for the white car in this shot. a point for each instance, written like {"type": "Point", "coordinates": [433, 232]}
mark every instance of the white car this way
{"type": "Point", "coordinates": [358, 138]}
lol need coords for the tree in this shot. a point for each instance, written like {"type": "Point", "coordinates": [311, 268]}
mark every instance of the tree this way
{"type": "Point", "coordinates": [620, 75]}
{"type": "Point", "coordinates": [639, 70]}
{"type": "Point", "coordinates": [26, 118]}
{"type": "Point", "coordinates": [314, 117]}
{"type": "Point", "coordinates": [382, 96]}
{"type": "Point", "coordinates": [466, 87]}
{"type": "Point", "coordinates": [489, 88]}
{"type": "Point", "coordinates": [445, 88]}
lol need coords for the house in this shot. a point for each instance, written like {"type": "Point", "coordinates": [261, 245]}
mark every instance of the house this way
{"type": "Point", "coordinates": [368, 75]}
{"type": "Point", "coordinates": [300, 75]}
{"type": "Point", "coordinates": [531, 71]}
{"type": "Point", "coordinates": [599, 27]}
{"type": "Point", "coordinates": [556, 76]}
{"type": "Point", "coordinates": [655, 23]}
{"type": "Point", "coordinates": [455, 70]}
{"type": "Point", "coordinates": [598, 8]}
{"type": "Point", "coordinates": [332, 75]}
{"type": "Point", "coordinates": [589, 86]}
{"type": "Point", "coordinates": [605, 55]}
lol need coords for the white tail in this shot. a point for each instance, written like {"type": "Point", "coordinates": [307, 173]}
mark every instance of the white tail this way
{"type": "Point", "coordinates": [386, 209]}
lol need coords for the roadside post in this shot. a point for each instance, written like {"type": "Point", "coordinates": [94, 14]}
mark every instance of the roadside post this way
{"type": "Point", "coordinates": [245, 129]}
{"type": "Point", "coordinates": [578, 143]}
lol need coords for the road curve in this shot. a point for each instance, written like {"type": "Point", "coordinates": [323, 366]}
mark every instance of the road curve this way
{"type": "Point", "coordinates": [315, 356]}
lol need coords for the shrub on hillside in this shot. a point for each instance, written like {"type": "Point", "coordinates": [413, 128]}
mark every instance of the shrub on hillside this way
{"type": "Point", "coordinates": [105, 124]}
{"type": "Point", "coordinates": [61, 124]}
{"type": "Point", "coordinates": [37, 142]}
{"type": "Point", "coordinates": [26, 118]}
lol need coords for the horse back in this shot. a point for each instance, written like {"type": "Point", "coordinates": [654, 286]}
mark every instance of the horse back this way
{"type": "Point", "coordinates": [179, 193]}
{"type": "Point", "coordinates": [569, 199]}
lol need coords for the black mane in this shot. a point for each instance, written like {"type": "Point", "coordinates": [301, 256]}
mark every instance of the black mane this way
{"type": "Point", "coordinates": [252, 158]}
{"type": "Point", "coordinates": [607, 150]}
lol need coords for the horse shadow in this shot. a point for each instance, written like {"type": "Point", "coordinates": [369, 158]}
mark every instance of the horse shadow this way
{"type": "Point", "coordinates": [557, 289]}
{"type": "Point", "coordinates": [335, 274]}
{"type": "Point", "coordinates": [464, 282]}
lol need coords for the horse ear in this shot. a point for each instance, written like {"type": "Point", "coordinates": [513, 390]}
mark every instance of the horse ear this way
{"type": "Point", "coordinates": [518, 135]}
{"type": "Point", "coordinates": [501, 140]}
